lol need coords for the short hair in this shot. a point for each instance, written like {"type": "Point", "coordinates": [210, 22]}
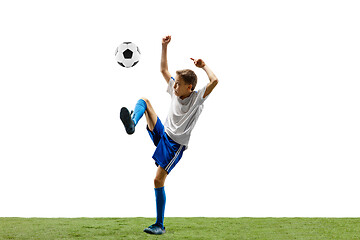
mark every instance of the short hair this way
{"type": "Point", "coordinates": [188, 76]}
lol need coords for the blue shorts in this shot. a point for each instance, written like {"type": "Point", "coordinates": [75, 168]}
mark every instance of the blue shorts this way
{"type": "Point", "coordinates": [168, 153]}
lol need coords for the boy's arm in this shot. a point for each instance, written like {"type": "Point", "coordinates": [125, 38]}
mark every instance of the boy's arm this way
{"type": "Point", "coordinates": [213, 79]}
{"type": "Point", "coordinates": [164, 66]}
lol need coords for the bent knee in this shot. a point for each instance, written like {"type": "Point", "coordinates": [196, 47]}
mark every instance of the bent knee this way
{"type": "Point", "coordinates": [146, 100]}
{"type": "Point", "coordinates": [149, 108]}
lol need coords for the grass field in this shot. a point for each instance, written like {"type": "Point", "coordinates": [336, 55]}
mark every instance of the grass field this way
{"type": "Point", "coordinates": [181, 228]}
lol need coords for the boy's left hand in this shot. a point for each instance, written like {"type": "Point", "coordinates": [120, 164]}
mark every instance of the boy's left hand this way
{"type": "Point", "coordinates": [198, 62]}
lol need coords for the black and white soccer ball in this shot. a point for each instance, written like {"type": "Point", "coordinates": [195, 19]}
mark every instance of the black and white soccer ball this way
{"type": "Point", "coordinates": [127, 54]}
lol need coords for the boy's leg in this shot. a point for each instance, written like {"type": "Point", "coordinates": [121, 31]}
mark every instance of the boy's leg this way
{"type": "Point", "coordinates": [141, 107]}
{"type": "Point", "coordinates": [159, 182]}
{"type": "Point", "coordinates": [160, 177]}
{"type": "Point", "coordinates": [150, 114]}
{"type": "Point", "coordinates": [139, 110]}
{"type": "Point", "coordinates": [160, 195]}
{"type": "Point", "coordinates": [161, 174]}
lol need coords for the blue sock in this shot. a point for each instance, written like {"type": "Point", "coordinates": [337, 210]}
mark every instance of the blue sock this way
{"type": "Point", "coordinates": [160, 205]}
{"type": "Point", "coordinates": [139, 111]}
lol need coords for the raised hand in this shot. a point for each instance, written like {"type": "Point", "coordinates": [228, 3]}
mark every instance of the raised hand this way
{"type": "Point", "coordinates": [198, 62]}
{"type": "Point", "coordinates": [166, 40]}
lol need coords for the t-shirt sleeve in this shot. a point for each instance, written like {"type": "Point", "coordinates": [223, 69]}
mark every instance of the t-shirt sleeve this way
{"type": "Point", "coordinates": [170, 88]}
{"type": "Point", "coordinates": [200, 95]}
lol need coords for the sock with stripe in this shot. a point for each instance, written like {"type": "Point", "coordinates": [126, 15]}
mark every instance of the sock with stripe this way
{"type": "Point", "coordinates": [139, 111]}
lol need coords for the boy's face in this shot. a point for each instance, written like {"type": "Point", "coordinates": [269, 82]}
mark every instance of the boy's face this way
{"type": "Point", "coordinates": [181, 89]}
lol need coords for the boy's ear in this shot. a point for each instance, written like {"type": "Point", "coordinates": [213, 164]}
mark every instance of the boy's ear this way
{"type": "Point", "coordinates": [190, 87]}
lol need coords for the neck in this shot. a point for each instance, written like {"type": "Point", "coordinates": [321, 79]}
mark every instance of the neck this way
{"type": "Point", "coordinates": [185, 96]}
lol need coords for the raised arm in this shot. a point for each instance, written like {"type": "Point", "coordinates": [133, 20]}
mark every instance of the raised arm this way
{"type": "Point", "coordinates": [164, 66]}
{"type": "Point", "coordinates": [213, 79]}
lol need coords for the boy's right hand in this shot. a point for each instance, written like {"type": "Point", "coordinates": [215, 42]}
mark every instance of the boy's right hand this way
{"type": "Point", "coordinates": [166, 40]}
{"type": "Point", "coordinates": [198, 62]}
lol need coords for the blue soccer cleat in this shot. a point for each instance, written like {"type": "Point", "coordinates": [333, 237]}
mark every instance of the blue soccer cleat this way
{"type": "Point", "coordinates": [155, 229]}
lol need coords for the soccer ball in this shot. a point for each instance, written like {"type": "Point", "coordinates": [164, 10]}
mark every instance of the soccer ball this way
{"type": "Point", "coordinates": [127, 54]}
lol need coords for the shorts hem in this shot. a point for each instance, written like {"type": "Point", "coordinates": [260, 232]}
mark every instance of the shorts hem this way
{"type": "Point", "coordinates": [173, 162]}
{"type": "Point", "coordinates": [158, 163]}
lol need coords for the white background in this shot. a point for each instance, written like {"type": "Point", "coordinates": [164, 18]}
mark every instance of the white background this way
{"type": "Point", "coordinates": [278, 137]}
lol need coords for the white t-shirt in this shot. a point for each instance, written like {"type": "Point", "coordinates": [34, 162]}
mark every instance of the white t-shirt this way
{"type": "Point", "coordinates": [183, 114]}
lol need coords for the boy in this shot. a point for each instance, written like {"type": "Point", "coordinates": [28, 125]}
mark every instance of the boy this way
{"type": "Point", "coordinates": [172, 138]}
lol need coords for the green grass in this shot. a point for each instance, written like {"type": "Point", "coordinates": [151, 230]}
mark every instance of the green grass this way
{"type": "Point", "coordinates": [181, 228]}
